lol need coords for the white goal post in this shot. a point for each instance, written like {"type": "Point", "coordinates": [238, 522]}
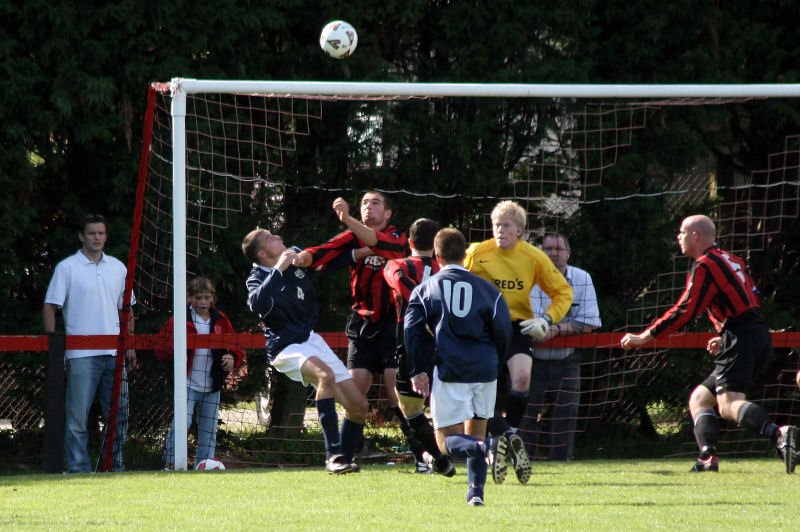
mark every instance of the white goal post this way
{"type": "Point", "coordinates": [180, 87]}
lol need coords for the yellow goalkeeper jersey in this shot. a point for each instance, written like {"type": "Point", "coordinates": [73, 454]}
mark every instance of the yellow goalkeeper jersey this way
{"type": "Point", "coordinates": [515, 272]}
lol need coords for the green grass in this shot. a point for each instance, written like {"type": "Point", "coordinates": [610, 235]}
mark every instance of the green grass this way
{"type": "Point", "coordinates": [752, 494]}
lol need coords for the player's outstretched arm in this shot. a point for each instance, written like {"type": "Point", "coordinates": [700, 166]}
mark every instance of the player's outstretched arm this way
{"type": "Point", "coordinates": [630, 341]}
{"type": "Point", "coordinates": [364, 233]}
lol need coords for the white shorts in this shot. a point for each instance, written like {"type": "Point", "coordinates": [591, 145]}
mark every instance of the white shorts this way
{"type": "Point", "coordinates": [455, 402]}
{"type": "Point", "coordinates": [291, 359]}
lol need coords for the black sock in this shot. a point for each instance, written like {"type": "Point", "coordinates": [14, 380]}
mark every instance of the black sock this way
{"type": "Point", "coordinates": [423, 430]}
{"type": "Point", "coordinates": [404, 426]}
{"type": "Point", "coordinates": [751, 416]}
{"type": "Point", "coordinates": [515, 408]}
{"type": "Point", "coordinates": [705, 431]}
{"type": "Point", "coordinates": [496, 426]}
{"type": "Point", "coordinates": [417, 447]}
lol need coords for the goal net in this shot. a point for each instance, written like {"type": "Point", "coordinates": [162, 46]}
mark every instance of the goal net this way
{"type": "Point", "coordinates": [615, 168]}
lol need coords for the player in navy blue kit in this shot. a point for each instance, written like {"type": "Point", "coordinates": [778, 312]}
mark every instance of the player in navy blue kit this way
{"type": "Point", "coordinates": [284, 298]}
{"type": "Point", "coordinates": [471, 325]}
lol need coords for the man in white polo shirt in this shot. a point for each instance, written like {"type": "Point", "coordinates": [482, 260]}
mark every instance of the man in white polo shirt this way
{"type": "Point", "coordinates": [89, 287]}
{"type": "Point", "coordinates": [556, 374]}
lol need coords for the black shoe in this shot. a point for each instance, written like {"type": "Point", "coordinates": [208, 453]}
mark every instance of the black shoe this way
{"type": "Point", "coordinates": [787, 445]}
{"type": "Point", "coordinates": [443, 466]}
{"type": "Point", "coordinates": [496, 457]}
{"type": "Point", "coordinates": [709, 463]}
{"type": "Point", "coordinates": [339, 465]}
{"type": "Point", "coordinates": [519, 457]}
{"type": "Point", "coordinates": [424, 468]}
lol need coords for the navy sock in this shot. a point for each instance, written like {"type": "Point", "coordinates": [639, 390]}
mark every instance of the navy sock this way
{"type": "Point", "coordinates": [474, 491]}
{"type": "Point", "coordinates": [705, 431]}
{"type": "Point", "coordinates": [352, 434]}
{"type": "Point", "coordinates": [515, 407]}
{"type": "Point", "coordinates": [463, 446]}
{"type": "Point", "coordinates": [471, 448]}
{"type": "Point", "coordinates": [326, 409]}
{"type": "Point", "coordinates": [476, 472]}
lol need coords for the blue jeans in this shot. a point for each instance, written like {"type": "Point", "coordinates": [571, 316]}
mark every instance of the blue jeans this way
{"type": "Point", "coordinates": [206, 405]}
{"type": "Point", "coordinates": [89, 378]}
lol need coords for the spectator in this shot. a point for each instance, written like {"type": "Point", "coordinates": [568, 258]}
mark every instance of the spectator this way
{"type": "Point", "coordinates": [284, 298]}
{"type": "Point", "coordinates": [88, 287]}
{"type": "Point", "coordinates": [515, 267]}
{"type": "Point", "coordinates": [556, 371]}
{"type": "Point", "coordinates": [206, 369]}
{"type": "Point", "coordinates": [472, 332]}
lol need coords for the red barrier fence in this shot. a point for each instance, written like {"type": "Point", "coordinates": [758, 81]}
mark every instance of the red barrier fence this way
{"type": "Point", "coordinates": [780, 339]}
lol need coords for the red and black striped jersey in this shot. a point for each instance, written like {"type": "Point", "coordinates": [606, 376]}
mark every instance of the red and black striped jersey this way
{"type": "Point", "coordinates": [718, 282]}
{"type": "Point", "coordinates": [372, 297]}
{"type": "Point", "coordinates": [403, 275]}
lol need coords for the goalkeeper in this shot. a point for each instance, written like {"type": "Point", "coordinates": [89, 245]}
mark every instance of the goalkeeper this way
{"type": "Point", "coordinates": [515, 267]}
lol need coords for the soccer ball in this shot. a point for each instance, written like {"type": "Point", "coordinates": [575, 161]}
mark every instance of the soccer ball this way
{"type": "Point", "coordinates": [338, 39]}
{"type": "Point", "coordinates": [209, 463]}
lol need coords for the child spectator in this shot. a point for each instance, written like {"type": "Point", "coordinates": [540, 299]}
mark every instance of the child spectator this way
{"type": "Point", "coordinates": [206, 369]}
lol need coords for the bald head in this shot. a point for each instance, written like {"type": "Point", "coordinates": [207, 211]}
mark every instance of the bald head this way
{"type": "Point", "coordinates": [697, 235]}
{"type": "Point", "coordinates": [703, 225]}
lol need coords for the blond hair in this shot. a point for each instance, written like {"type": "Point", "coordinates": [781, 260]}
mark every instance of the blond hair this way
{"type": "Point", "coordinates": [510, 209]}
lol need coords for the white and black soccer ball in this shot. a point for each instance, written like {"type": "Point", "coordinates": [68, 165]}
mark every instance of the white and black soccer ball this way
{"type": "Point", "coordinates": [209, 464]}
{"type": "Point", "coordinates": [338, 39]}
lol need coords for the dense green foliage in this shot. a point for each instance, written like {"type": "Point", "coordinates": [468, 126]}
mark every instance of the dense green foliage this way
{"type": "Point", "coordinates": [74, 77]}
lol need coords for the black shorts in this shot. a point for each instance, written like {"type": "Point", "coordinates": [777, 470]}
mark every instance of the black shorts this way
{"type": "Point", "coordinates": [402, 381]}
{"type": "Point", "coordinates": [744, 350]}
{"type": "Point", "coordinates": [371, 345]}
{"type": "Point", "coordinates": [520, 343]}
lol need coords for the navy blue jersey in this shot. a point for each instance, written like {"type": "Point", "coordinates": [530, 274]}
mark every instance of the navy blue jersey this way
{"type": "Point", "coordinates": [470, 322]}
{"type": "Point", "coordinates": [286, 304]}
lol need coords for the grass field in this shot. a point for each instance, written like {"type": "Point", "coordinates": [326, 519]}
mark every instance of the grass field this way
{"type": "Point", "coordinates": [752, 494]}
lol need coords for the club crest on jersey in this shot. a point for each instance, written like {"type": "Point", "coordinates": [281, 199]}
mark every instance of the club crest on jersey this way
{"type": "Point", "coordinates": [299, 273]}
{"type": "Point", "coordinates": [375, 262]}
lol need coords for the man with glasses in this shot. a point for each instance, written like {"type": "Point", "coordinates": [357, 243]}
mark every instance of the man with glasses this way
{"type": "Point", "coordinates": [88, 287]}
{"type": "Point", "coordinates": [556, 373]}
